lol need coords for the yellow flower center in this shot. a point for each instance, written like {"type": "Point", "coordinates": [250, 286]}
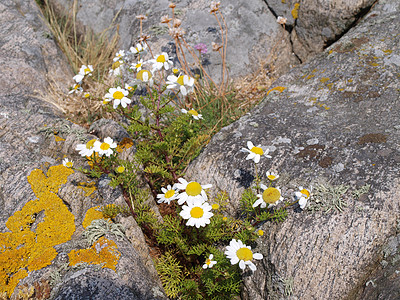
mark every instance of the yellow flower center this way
{"type": "Point", "coordinates": [174, 70]}
{"type": "Point", "coordinates": [260, 232]}
{"type": "Point", "coordinates": [116, 65]}
{"type": "Point", "coordinates": [89, 145]}
{"type": "Point", "coordinates": [305, 192]}
{"type": "Point", "coordinates": [193, 112]}
{"type": "Point", "coordinates": [69, 164]}
{"type": "Point", "coordinates": [271, 177]}
{"type": "Point", "coordinates": [140, 74]}
{"type": "Point", "coordinates": [215, 206]}
{"type": "Point", "coordinates": [138, 66]}
{"type": "Point", "coordinates": [120, 169]}
{"type": "Point", "coordinates": [196, 212]}
{"type": "Point", "coordinates": [87, 71]}
{"type": "Point", "coordinates": [193, 189]}
{"type": "Point", "coordinates": [271, 195]}
{"type": "Point", "coordinates": [169, 194]}
{"type": "Point", "coordinates": [118, 95]}
{"type": "Point", "coordinates": [104, 146]}
{"type": "Point", "coordinates": [257, 150]}
{"type": "Point", "coordinates": [244, 254]}
{"type": "Point", "coordinates": [76, 86]}
{"type": "Point", "coordinates": [161, 59]}
{"type": "Point", "coordinates": [208, 261]}
{"type": "Point", "coordinates": [87, 95]}
{"type": "Point", "coordinates": [180, 80]}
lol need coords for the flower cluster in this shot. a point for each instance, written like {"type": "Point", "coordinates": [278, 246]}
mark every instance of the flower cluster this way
{"type": "Point", "coordinates": [78, 78]}
{"type": "Point", "coordinates": [271, 196]}
{"type": "Point", "coordinates": [197, 211]}
{"type": "Point", "coordinates": [94, 146]}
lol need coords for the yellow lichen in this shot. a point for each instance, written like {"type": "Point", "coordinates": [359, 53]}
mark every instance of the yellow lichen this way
{"type": "Point", "coordinates": [387, 51]}
{"type": "Point", "coordinates": [280, 89]}
{"type": "Point", "coordinates": [24, 248]}
{"type": "Point", "coordinates": [126, 143]}
{"type": "Point", "coordinates": [295, 10]}
{"type": "Point", "coordinates": [329, 85]}
{"type": "Point", "coordinates": [58, 138]}
{"type": "Point", "coordinates": [103, 252]}
{"type": "Point", "coordinates": [324, 79]}
{"type": "Point", "coordinates": [310, 76]}
{"type": "Point", "coordinates": [88, 188]}
{"type": "Point", "coordinates": [92, 214]}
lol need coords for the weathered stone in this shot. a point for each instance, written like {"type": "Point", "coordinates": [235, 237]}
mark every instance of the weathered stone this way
{"type": "Point", "coordinates": [48, 202]}
{"type": "Point", "coordinates": [316, 24]}
{"type": "Point", "coordinates": [253, 34]}
{"type": "Point", "coordinates": [327, 123]}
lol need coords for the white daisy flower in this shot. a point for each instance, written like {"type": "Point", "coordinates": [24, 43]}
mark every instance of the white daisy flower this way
{"type": "Point", "coordinates": [209, 262]}
{"type": "Point", "coordinates": [78, 78]}
{"type": "Point", "coordinates": [272, 176]}
{"type": "Point", "coordinates": [129, 87]}
{"type": "Point", "coordinates": [120, 54]}
{"type": "Point", "coordinates": [255, 153]}
{"type": "Point", "coordinates": [185, 83]}
{"type": "Point", "coordinates": [86, 149]}
{"type": "Point", "coordinates": [77, 87]}
{"type": "Point", "coordinates": [117, 67]}
{"type": "Point", "coordinates": [119, 96]}
{"type": "Point", "coordinates": [138, 48]}
{"type": "Point", "coordinates": [144, 77]}
{"type": "Point", "coordinates": [105, 148]}
{"type": "Point", "coordinates": [161, 61]}
{"type": "Point", "coordinates": [67, 163]}
{"type": "Point", "coordinates": [238, 252]}
{"type": "Point", "coordinates": [271, 196]}
{"type": "Point", "coordinates": [193, 190]}
{"type": "Point", "coordinates": [192, 112]}
{"type": "Point", "coordinates": [86, 70]}
{"type": "Point", "coordinates": [137, 66]}
{"type": "Point", "coordinates": [302, 196]}
{"type": "Point", "coordinates": [168, 195]}
{"type": "Point", "coordinates": [197, 213]}
{"type": "Point", "coordinates": [83, 71]}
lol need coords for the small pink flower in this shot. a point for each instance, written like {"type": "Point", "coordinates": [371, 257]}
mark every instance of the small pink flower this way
{"type": "Point", "coordinates": [201, 47]}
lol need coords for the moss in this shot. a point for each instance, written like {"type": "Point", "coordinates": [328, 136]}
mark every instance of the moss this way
{"type": "Point", "coordinates": [25, 249]}
{"type": "Point", "coordinates": [103, 252]}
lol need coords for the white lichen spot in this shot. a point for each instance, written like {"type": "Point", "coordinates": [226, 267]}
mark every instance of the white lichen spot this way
{"type": "Point", "coordinates": [297, 149]}
{"type": "Point", "coordinates": [281, 140]}
{"type": "Point", "coordinates": [254, 124]}
{"type": "Point", "coordinates": [34, 139]}
{"type": "Point", "coordinates": [338, 168]}
{"type": "Point", "coordinates": [312, 109]}
{"type": "Point", "coordinates": [312, 141]}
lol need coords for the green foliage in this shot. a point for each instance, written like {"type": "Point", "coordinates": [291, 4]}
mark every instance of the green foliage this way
{"type": "Point", "coordinates": [171, 274]}
{"type": "Point", "coordinates": [112, 210]}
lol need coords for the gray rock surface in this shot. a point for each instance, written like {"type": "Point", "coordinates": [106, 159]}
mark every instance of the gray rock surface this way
{"type": "Point", "coordinates": [335, 126]}
{"type": "Point", "coordinates": [316, 24]}
{"type": "Point", "coordinates": [34, 136]}
{"type": "Point", "coordinates": [253, 34]}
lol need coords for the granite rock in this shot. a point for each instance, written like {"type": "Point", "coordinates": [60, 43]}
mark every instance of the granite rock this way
{"type": "Point", "coordinates": [332, 123]}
